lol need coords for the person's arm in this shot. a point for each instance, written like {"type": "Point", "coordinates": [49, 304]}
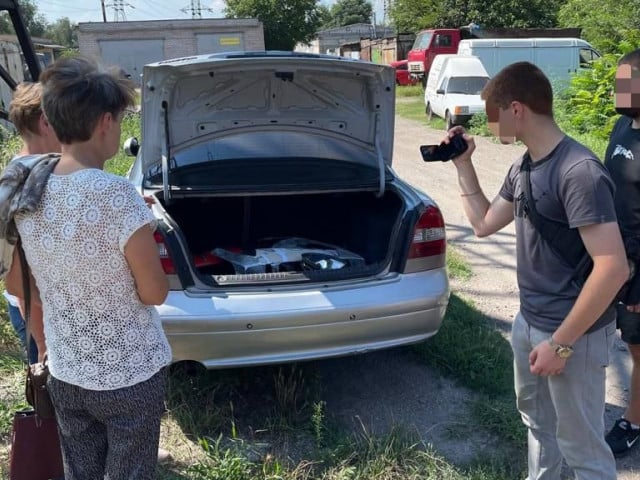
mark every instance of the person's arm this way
{"type": "Point", "coordinates": [15, 286]}
{"type": "Point", "coordinates": [485, 217]}
{"type": "Point", "coordinates": [141, 252]}
{"type": "Point", "coordinates": [610, 270]}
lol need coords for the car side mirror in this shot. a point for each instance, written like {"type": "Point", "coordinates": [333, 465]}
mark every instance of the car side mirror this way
{"type": "Point", "coordinates": [440, 91]}
{"type": "Point", "coordinates": [131, 147]}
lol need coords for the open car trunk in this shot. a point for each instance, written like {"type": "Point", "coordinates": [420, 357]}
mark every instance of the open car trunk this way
{"type": "Point", "coordinates": [281, 238]}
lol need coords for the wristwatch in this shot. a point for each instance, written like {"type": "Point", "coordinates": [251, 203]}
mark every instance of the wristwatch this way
{"type": "Point", "coordinates": [563, 351]}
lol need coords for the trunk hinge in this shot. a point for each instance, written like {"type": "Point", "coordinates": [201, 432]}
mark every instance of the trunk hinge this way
{"type": "Point", "coordinates": [166, 155]}
{"type": "Point", "coordinates": [381, 163]}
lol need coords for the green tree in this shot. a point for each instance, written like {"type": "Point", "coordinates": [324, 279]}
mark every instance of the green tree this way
{"type": "Point", "coordinates": [414, 15]}
{"type": "Point", "coordinates": [604, 23]}
{"type": "Point", "coordinates": [36, 23]}
{"type": "Point", "coordinates": [63, 32]}
{"type": "Point", "coordinates": [348, 12]}
{"type": "Point", "coordinates": [410, 16]}
{"type": "Point", "coordinates": [501, 13]}
{"type": "Point", "coordinates": [286, 22]}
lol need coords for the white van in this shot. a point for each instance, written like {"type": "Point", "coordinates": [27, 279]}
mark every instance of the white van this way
{"type": "Point", "coordinates": [453, 88]}
{"type": "Point", "coordinates": [558, 58]}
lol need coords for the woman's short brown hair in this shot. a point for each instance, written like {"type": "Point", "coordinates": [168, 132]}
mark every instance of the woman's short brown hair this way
{"type": "Point", "coordinates": [25, 109]}
{"type": "Point", "coordinates": [521, 82]}
{"type": "Point", "coordinates": [77, 92]}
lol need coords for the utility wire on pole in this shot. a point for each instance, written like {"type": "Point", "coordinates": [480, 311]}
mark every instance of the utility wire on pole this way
{"type": "Point", "coordinates": [119, 14]}
{"type": "Point", "coordinates": [196, 9]}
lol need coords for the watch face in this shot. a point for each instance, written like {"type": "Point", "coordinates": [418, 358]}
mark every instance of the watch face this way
{"type": "Point", "coordinates": [564, 352]}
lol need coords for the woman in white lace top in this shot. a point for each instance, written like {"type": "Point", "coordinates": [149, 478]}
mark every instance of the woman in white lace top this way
{"type": "Point", "coordinates": [96, 268]}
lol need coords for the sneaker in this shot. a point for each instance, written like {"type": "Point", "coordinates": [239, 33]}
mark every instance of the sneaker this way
{"type": "Point", "coordinates": [622, 437]}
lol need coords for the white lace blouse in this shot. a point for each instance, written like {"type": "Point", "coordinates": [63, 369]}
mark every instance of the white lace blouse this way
{"type": "Point", "coordinates": [98, 333]}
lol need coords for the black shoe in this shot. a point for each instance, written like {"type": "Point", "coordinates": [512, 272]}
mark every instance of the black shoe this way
{"type": "Point", "coordinates": [622, 437]}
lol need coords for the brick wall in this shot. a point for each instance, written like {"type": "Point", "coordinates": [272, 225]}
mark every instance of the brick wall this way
{"type": "Point", "coordinates": [179, 35]}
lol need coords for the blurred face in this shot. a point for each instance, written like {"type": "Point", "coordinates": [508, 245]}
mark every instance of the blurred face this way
{"type": "Point", "coordinates": [501, 123]}
{"type": "Point", "coordinates": [628, 91]}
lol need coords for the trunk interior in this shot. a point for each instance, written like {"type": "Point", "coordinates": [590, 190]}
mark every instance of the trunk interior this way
{"type": "Point", "coordinates": [324, 236]}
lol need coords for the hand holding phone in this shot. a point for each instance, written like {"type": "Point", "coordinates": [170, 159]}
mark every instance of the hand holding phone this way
{"type": "Point", "coordinates": [445, 151]}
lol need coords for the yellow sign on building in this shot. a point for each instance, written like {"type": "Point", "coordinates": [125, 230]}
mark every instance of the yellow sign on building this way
{"type": "Point", "coordinates": [229, 41]}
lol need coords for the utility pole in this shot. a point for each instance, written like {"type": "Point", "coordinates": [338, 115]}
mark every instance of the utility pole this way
{"type": "Point", "coordinates": [196, 9]}
{"type": "Point", "coordinates": [118, 6]}
{"type": "Point", "coordinates": [104, 11]}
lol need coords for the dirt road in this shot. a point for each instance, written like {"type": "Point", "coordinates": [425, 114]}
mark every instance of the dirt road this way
{"type": "Point", "coordinates": [389, 388]}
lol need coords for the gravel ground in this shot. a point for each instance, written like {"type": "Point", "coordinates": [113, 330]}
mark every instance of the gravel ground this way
{"type": "Point", "coordinates": [389, 388]}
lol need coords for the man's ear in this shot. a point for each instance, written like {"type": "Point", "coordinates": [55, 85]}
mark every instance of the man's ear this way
{"type": "Point", "coordinates": [517, 108]}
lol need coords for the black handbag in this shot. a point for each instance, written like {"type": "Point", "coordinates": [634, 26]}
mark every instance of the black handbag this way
{"type": "Point", "coordinates": [37, 374]}
{"type": "Point", "coordinates": [35, 448]}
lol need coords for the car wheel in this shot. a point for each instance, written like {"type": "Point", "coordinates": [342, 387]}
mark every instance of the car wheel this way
{"type": "Point", "coordinates": [429, 112]}
{"type": "Point", "coordinates": [448, 121]}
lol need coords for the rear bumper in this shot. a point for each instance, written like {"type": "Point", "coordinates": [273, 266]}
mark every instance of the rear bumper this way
{"type": "Point", "coordinates": [259, 328]}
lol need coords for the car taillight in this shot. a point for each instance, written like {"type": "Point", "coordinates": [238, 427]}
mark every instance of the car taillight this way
{"type": "Point", "coordinates": [165, 259]}
{"type": "Point", "coordinates": [429, 242]}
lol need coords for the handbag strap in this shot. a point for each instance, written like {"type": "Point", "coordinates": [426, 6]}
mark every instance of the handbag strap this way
{"type": "Point", "coordinates": [26, 287]}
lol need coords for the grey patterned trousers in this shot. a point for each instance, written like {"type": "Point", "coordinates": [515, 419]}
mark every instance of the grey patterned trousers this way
{"type": "Point", "coordinates": [109, 434]}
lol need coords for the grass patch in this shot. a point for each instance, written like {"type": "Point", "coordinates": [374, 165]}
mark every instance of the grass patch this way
{"type": "Point", "coordinates": [413, 108]}
{"type": "Point", "coordinates": [471, 350]}
{"type": "Point", "coordinates": [456, 265]}
{"type": "Point", "coordinates": [410, 91]}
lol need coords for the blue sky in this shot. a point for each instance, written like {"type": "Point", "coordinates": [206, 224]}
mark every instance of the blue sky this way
{"type": "Point", "coordinates": [90, 10]}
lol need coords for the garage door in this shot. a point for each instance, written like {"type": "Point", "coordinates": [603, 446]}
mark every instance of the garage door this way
{"type": "Point", "coordinates": [131, 55]}
{"type": "Point", "coordinates": [219, 42]}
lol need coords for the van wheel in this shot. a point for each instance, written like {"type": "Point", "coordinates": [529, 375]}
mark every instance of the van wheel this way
{"type": "Point", "coordinates": [429, 112]}
{"type": "Point", "coordinates": [448, 121]}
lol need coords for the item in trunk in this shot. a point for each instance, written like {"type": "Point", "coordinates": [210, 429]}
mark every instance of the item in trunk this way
{"type": "Point", "coordinates": [291, 254]}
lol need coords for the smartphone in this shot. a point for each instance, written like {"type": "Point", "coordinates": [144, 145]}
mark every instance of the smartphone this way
{"type": "Point", "coordinates": [445, 151]}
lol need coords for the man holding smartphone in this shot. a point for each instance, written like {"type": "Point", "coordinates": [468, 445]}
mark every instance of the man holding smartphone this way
{"type": "Point", "coordinates": [562, 334]}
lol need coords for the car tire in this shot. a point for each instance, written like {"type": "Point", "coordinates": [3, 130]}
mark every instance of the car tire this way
{"type": "Point", "coordinates": [448, 121]}
{"type": "Point", "coordinates": [429, 112]}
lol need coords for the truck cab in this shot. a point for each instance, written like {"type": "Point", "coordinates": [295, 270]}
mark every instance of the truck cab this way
{"type": "Point", "coordinates": [427, 45]}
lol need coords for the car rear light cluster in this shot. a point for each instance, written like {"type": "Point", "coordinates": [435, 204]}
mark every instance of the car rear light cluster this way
{"type": "Point", "coordinates": [165, 259]}
{"type": "Point", "coordinates": [429, 242]}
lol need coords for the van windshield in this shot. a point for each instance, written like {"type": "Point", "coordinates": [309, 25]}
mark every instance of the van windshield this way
{"type": "Point", "coordinates": [467, 85]}
{"type": "Point", "coordinates": [422, 41]}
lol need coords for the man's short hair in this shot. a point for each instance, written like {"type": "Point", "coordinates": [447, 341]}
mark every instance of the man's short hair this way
{"type": "Point", "coordinates": [520, 82]}
{"type": "Point", "coordinates": [76, 92]}
{"type": "Point", "coordinates": [25, 109]}
{"type": "Point", "coordinates": [631, 58]}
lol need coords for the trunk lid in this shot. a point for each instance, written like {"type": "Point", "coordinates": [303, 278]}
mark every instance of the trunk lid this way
{"type": "Point", "coordinates": [278, 105]}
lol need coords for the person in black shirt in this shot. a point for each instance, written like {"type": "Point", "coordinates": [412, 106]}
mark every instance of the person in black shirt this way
{"type": "Point", "coordinates": [622, 159]}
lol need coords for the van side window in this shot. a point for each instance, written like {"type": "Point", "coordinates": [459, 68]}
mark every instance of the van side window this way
{"type": "Point", "coordinates": [443, 40]}
{"type": "Point", "coordinates": [587, 56]}
{"type": "Point", "coordinates": [443, 84]}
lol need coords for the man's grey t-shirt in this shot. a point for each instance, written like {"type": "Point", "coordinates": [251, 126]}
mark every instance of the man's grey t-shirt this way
{"type": "Point", "coordinates": [571, 186]}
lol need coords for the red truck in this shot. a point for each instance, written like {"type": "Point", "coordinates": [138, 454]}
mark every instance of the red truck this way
{"type": "Point", "coordinates": [432, 42]}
